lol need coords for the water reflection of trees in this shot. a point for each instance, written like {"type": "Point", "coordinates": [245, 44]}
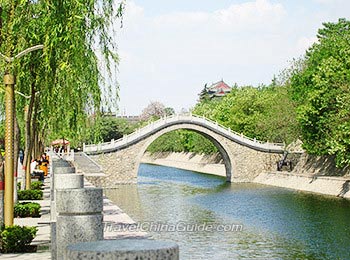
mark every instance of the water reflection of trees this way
{"type": "Point", "coordinates": [127, 198]}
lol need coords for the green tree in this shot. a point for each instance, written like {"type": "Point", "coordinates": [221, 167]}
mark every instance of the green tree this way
{"type": "Point", "coordinates": [182, 141]}
{"type": "Point", "coordinates": [265, 113]}
{"type": "Point", "coordinates": [203, 95]}
{"type": "Point", "coordinates": [169, 111]}
{"type": "Point", "coordinates": [105, 129]}
{"type": "Point", "coordinates": [322, 90]}
{"type": "Point", "coordinates": [63, 81]}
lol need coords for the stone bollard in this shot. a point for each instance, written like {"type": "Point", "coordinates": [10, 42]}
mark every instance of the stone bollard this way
{"type": "Point", "coordinates": [59, 167]}
{"type": "Point", "coordinates": [60, 163]}
{"type": "Point", "coordinates": [65, 181]}
{"type": "Point", "coordinates": [64, 170]}
{"type": "Point", "coordinates": [69, 181]}
{"type": "Point", "coordinates": [63, 177]}
{"type": "Point", "coordinates": [79, 217]}
{"type": "Point", "coordinates": [122, 249]}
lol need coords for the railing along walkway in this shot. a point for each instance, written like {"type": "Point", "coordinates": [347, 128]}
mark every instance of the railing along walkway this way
{"type": "Point", "coordinates": [87, 165]}
{"type": "Point", "coordinates": [162, 123]}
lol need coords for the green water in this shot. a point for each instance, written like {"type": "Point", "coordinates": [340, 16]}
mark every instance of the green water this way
{"type": "Point", "coordinates": [212, 219]}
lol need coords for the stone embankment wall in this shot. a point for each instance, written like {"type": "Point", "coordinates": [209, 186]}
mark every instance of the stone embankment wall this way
{"type": "Point", "coordinates": [334, 186]}
{"type": "Point", "coordinates": [317, 174]}
{"type": "Point", "coordinates": [210, 164]}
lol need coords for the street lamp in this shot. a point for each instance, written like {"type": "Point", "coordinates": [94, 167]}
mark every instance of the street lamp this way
{"type": "Point", "coordinates": [9, 81]}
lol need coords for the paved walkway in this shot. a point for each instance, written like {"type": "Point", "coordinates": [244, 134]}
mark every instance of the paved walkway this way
{"type": "Point", "coordinates": [42, 239]}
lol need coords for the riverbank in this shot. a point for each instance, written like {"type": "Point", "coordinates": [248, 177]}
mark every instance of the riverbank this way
{"type": "Point", "coordinates": [317, 174]}
{"type": "Point", "coordinates": [311, 174]}
{"type": "Point", "coordinates": [325, 185]}
{"type": "Point", "coordinates": [209, 164]}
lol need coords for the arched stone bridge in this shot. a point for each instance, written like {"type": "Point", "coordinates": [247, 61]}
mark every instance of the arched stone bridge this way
{"type": "Point", "coordinates": [244, 158]}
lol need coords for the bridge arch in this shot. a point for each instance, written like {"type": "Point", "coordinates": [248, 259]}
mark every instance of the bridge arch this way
{"type": "Point", "coordinates": [244, 158]}
{"type": "Point", "coordinates": [214, 138]}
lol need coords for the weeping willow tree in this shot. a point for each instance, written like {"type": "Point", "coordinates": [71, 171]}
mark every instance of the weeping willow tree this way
{"type": "Point", "coordinates": [64, 83]}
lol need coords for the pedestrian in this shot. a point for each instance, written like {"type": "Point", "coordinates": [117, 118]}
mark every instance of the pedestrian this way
{"type": "Point", "coordinates": [33, 166]}
{"type": "Point", "coordinates": [44, 162]}
{"type": "Point", "coordinates": [21, 156]}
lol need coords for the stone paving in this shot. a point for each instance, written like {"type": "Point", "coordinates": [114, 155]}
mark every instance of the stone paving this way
{"type": "Point", "coordinates": [113, 216]}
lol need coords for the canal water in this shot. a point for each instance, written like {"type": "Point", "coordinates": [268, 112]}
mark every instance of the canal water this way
{"type": "Point", "coordinates": [212, 219]}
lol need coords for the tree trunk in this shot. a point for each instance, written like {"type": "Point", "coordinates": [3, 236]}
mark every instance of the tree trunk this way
{"type": "Point", "coordinates": [0, 24]}
{"type": "Point", "coordinates": [1, 190]}
{"type": "Point", "coordinates": [36, 142]}
{"type": "Point", "coordinates": [34, 131]}
{"type": "Point", "coordinates": [28, 143]}
{"type": "Point", "coordinates": [15, 155]}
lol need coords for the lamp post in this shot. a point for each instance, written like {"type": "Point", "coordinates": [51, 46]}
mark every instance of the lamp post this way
{"type": "Point", "coordinates": [9, 81]}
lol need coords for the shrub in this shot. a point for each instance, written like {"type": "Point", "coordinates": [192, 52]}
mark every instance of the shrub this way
{"type": "Point", "coordinates": [16, 239]}
{"type": "Point", "coordinates": [30, 194]}
{"type": "Point", "coordinates": [35, 185]}
{"type": "Point", "coordinates": [27, 209]}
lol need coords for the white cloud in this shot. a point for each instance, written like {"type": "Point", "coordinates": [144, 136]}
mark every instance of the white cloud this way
{"type": "Point", "coordinates": [169, 57]}
{"type": "Point", "coordinates": [237, 17]}
{"type": "Point", "coordinates": [251, 14]}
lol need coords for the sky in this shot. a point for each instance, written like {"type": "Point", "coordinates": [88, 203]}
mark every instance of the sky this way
{"type": "Point", "coordinates": [170, 49]}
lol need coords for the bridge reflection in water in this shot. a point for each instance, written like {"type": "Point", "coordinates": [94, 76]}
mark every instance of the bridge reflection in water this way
{"type": "Point", "coordinates": [277, 223]}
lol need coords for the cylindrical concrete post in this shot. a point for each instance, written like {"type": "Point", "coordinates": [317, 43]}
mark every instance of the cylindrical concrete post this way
{"type": "Point", "coordinates": [60, 163]}
{"type": "Point", "coordinates": [59, 167]}
{"type": "Point", "coordinates": [122, 249]}
{"type": "Point", "coordinates": [79, 217]}
{"type": "Point", "coordinates": [64, 170]}
{"type": "Point", "coordinates": [69, 181]}
{"type": "Point", "coordinates": [66, 180]}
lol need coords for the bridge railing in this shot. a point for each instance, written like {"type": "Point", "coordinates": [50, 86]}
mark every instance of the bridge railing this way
{"type": "Point", "coordinates": [133, 136]}
{"type": "Point", "coordinates": [114, 144]}
{"type": "Point", "coordinates": [217, 126]}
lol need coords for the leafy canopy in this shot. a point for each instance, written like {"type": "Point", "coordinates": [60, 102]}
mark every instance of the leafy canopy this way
{"type": "Point", "coordinates": [264, 113]}
{"type": "Point", "coordinates": [322, 89]}
{"type": "Point", "coordinates": [66, 77]}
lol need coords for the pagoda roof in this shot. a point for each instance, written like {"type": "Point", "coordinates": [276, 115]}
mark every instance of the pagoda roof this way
{"type": "Point", "coordinates": [221, 85]}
